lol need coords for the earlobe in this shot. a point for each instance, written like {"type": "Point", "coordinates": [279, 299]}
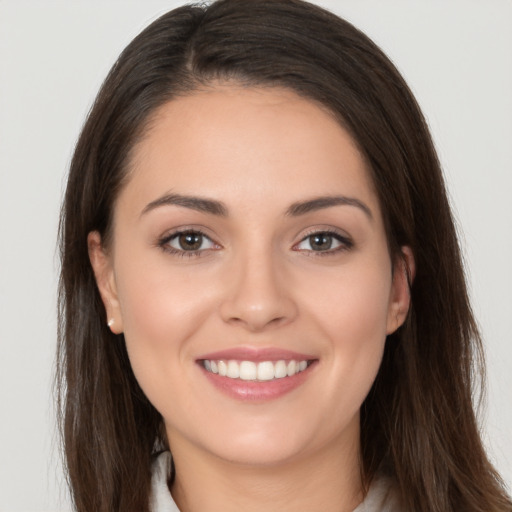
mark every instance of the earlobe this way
{"type": "Point", "coordinates": [400, 298]}
{"type": "Point", "coordinates": [105, 280]}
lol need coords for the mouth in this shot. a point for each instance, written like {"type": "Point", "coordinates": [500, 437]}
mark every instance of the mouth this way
{"type": "Point", "coordinates": [256, 375]}
{"type": "Point", "coordinates": [263, 371]}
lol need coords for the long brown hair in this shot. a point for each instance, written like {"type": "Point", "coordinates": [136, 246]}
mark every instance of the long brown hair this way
{"type": "Point", "coordinates": [418, 419]}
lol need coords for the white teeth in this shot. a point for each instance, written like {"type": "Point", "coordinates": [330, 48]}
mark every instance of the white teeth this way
{"type": "Point", "coordinates": [223, 368]}
{"type": "Point", "coordinates": [249, 370]}
{"type": "Point", "coordinates": [280, 370]}
{"type": "Point", "coordinates": [266, 370]}
{"type": "Point", "coordinates": [233, 370]}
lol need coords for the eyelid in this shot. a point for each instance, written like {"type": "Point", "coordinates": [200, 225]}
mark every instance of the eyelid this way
{"type": "Point", "coordinates": [343, 238]}
{"type": "Point", "coordinates": [177, 236]}
{"type": "Point", "coordinates": [163, 241]}
{"type": "Point", "coordinates": [345, 241]}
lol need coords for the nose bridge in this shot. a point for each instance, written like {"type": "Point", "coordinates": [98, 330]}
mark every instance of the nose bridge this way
{"type": "Point", "coordinates": [258, 296]}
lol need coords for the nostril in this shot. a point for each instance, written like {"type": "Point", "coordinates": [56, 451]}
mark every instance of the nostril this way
{"type": "Point", "coordinates": [257, 322]}
{"type": "Point", "coordinates": [278, 320]}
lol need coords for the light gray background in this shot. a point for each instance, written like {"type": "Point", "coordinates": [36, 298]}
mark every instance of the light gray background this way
{"type": "Point", "coordinates": [457, 57]}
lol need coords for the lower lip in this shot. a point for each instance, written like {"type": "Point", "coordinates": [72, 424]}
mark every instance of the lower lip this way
{"type": "Point", "coordinates": [257, 391]}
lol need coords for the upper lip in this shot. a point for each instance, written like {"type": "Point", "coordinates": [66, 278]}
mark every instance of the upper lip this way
{"type": "Point", "coordinates": [246, 353]}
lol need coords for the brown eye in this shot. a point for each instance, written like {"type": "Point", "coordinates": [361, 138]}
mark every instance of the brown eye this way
{"type": "Point", "coordinates": [320, 241]}
{"type": "Point", "coordinates": [324, 242]}
{"type": "Point", "coordinates": [190, 241]}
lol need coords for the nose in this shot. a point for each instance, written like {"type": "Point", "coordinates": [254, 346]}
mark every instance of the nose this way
{"type": "Point", "coordinates": [259, 295]}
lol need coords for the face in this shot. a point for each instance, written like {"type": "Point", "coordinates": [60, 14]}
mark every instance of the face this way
{"type": "Point", "coordinates": [250, 274]}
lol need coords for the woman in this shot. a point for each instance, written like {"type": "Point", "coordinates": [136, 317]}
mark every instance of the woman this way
{"type": "Point", "coordinates": [260, 275]}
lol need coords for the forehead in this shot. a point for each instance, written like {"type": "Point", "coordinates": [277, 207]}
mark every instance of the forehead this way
{"type": "Point", "coordinates": [233, 142]}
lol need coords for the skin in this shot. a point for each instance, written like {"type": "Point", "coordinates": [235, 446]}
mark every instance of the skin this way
{"type": "Point", "coordinates": [258, 283]}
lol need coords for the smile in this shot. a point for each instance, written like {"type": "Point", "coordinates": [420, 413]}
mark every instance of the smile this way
{"type": "Point", "coordinates": [257, 374]}
{"type": "Point", "coordinates": [262, 371]}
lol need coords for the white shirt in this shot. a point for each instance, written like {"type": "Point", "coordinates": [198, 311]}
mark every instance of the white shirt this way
{"type": "Point", "coordinates": [380, 497]}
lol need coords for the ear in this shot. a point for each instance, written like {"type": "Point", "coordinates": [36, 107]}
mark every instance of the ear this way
{"type": "Point", "coordinates": [101, 263]}
{"type": "Point", "coordinates": [400, 297]}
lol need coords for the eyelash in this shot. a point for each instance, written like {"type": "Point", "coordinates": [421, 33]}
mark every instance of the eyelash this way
{"type": "Point", "coordinates": [345, 243]}
{"type": "Point", "coordinates": [163, 243]}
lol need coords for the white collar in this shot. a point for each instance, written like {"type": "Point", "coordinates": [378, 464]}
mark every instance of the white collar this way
{"type": "Point", "coordinates": [161, 499]}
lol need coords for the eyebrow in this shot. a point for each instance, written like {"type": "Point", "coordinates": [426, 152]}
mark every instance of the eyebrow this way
{"type": "Point", "coordinates": [194, 203]}
{"type": "Point", "coordinates": [319, 203]}
{"type": "Point", "coordinates": [218, 208]}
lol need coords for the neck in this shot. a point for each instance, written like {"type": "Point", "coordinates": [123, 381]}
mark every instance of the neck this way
{"type": "Point", "coordinates": [327, 480]}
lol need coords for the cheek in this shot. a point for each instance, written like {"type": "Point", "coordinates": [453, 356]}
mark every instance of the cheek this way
{"type": "Point", "coordinates": [159, 301]}
{"type": "Point", "coordinates": [161, 311]}
{"type": "Point", "coordinates": [353, 301]}
{"type": "Point", "coordinates": [351, 312]}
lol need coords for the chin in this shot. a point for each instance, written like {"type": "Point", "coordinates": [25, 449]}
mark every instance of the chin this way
{"type": "Point", "coordinates": [260, 453]}
{"type": "Point", "coordinates": [272, 442]}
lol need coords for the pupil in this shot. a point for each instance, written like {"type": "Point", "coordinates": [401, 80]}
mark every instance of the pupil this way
{"type": "Point", "coordinates": [190, 241]}
{"type": "Point", "coordinates": [321, 242]}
